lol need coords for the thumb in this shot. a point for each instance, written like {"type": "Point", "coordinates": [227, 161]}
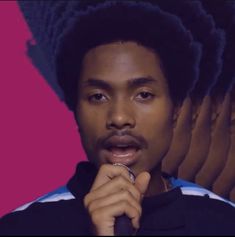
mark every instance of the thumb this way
{"type": "Point", "coordinates": [142, 182]}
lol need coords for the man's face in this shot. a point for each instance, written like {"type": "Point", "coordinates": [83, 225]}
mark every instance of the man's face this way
{"type": "Point", "coordinates": [124, 109]}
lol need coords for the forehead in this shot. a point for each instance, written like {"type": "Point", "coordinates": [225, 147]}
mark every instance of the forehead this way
{"type": "Point", "coordinates": [121, 60]}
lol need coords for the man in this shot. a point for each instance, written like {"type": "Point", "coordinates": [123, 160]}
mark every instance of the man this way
{"type": "Point", "coordinates": [119, 77]}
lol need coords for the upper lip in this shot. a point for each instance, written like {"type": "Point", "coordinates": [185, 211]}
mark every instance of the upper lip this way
{"type": "Point", "coordinates": [122, 141]}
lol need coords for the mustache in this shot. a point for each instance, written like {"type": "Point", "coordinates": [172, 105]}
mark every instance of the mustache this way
{"type": "Point", "coordinates": [102, 140]}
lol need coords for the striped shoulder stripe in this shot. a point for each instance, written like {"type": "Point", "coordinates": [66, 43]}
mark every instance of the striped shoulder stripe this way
{"type": "Point", "coordinates": [61, 193]}
{"type": "Point", "coordinates": [188, 188]}
{"type": "Point", "coordinates": [197, 191]}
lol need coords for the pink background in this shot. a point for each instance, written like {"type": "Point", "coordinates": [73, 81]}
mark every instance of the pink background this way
{"type": "Point", "coordinates": [39, 142]}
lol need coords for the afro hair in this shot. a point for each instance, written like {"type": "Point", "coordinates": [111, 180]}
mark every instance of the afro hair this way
{"type": "Point", "coordinates": [66, 30]}
{"type": "Point", "coordinates": [223, 13]}
{"type": "Point", "coordinates": [203, 29]}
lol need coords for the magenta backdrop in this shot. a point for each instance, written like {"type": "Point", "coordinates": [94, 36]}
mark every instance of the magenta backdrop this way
{"type": "Point", "coordinates": [39, 142]}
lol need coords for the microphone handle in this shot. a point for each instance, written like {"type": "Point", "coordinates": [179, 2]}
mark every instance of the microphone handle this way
{"type": "Point", "coordinates": [123, 226]}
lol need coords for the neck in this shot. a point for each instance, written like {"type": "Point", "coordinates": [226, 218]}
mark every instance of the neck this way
{"type": "Point", "coordinates": [157, 184]}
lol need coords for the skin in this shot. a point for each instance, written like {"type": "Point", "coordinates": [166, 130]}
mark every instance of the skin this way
{"type": "Point", "coordinates": [217, 172]}
{"type": "Point", "coordinates": [200, 142]}
{"type": "Point", "coordinates": [219, 147]}
{"type": "Point", "coordinates": [225, 182]}
{"type": "Point", "coordinates": [181, 139]}
{"type": "Point", "coordinates": [144, 110]}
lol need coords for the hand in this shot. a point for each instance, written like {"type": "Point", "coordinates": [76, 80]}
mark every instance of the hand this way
{"type": "Point", "coordinates": [113, 194]}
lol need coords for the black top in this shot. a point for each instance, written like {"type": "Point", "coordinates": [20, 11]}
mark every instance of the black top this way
{"type": "Point", "coordinates": [170, 213]}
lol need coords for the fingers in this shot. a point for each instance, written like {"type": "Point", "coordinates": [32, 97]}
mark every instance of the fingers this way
{"type": "Point", "coordinates": [113, 194]}
{"type": "Point", "coordinates": [108, 172]}
{"type": "Point", "coordinates": [142, 182]}
{"type": "Point", "coordinates": [106, 214]}
{"type": "Point", "coordinates": [118, 184]}
{"type": "Point", "coordinates": [124, 195]}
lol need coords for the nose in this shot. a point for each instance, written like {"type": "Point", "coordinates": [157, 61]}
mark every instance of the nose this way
{"type": "Point", "coordinates": [120, 116]}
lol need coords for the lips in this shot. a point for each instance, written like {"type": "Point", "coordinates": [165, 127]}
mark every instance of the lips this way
{"type": "Point", "coordinates": [121, 142]}
{"type": "Point", "coordinates": [122, 152]}
{"type": "Point", "coordinates": [128, 157]}
{"type": "Point", "coordinates": [121, 149]}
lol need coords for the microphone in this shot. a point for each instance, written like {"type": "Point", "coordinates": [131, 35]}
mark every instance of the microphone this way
{"type": "Point", "coordinates": [123, 225]}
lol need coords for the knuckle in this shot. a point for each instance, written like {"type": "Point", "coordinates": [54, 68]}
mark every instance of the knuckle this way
{"type": "Point", "coordinates": [95, 217]}
{"type": "Point", "coordinates": [90, 207]}
{"type": "Point", "coordinates": [136, 193]}
{"type": "Point", "coordinates": [122, 170]}
{"type": "Point", "coordinates": [137, 212]}
{"type": "Point", "coordinates": [120, 179]}
{"type": "Point", "coordinates": [86, 200]}
{"type": "Point", "coordinates": [140, 211]}
{"type": "Point", "coordinates": [130, 204]}
{"type": "Point", "coordinates": [123, 182]}
{"type": "Point", "coordinates": [104, 168]}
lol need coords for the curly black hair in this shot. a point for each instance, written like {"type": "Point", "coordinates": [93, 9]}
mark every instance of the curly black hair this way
{"type": "Point", "coordinates": [67, 30]}
{"type": "Point", "coordinates": [143, 23]}
{"type": "Point", "coordinates": [204, 30]}
{"type": "Point", "coordinates": [223, 13]}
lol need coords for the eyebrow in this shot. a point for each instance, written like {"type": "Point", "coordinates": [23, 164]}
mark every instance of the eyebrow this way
{"type": "Point", "coordinates": [133, 82]}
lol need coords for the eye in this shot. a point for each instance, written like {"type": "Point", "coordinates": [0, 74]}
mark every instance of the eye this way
{"type": "Point", "coordinates": [145, 95]}
{"type": "Point", "coordinates": [98, 97]}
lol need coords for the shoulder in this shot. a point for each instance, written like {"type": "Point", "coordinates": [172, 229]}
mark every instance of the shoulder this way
{"type": "Point", "coordinates": [194, 191]}
{"type": "Point", "coordinates": [205, 212]}
{"type": "Point", "coordinates": [208, 216]}
{"type": "Point", "coordinates": [205, 202]}
{"type": "Point", "coordinates": [59, 194]}
{"type": "Point", "coordinates": [54, 213]}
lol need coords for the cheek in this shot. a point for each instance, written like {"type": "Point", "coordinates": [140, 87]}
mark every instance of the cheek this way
{"type": "Point", "coordinates": [157, 119]}
{"type": "Point", "coordinates": [90, 123]}
{"type": "Point", "coordinates": [88, 116]}
{"type": "Point", "coordinates": [161, 134]}
{"type": "Point", "coordinates": [157, 127]}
